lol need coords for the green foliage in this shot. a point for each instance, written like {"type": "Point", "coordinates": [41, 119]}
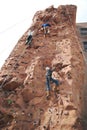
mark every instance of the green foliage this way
{"type": "Point", "coordinates": [9, 101]}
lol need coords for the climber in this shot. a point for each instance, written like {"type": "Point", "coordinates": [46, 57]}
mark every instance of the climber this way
{"type": "Point", "coordinates": [49, 79]}
{"type": "Point", "coordinates": [29, 38]}
{"type": "Point", "coordinates": [45, 27]}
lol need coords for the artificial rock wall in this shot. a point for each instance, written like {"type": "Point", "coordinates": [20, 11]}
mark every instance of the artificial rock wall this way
{"type": "Point", "coordinates": [22, 77]}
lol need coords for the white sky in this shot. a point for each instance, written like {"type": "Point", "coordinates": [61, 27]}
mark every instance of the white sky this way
{"type": "Point", "coordinates": [16, 17]}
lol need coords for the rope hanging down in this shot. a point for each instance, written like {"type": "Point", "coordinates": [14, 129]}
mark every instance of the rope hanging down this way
{"type": "Point", "coordinates": [14, 25]}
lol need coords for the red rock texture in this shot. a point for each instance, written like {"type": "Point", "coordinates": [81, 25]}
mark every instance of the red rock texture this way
{"type": "Point", "coordinates": [22, 77]}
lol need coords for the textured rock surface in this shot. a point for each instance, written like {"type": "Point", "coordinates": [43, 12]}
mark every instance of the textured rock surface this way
{"type": "Point", "coordinates": [22, 77]}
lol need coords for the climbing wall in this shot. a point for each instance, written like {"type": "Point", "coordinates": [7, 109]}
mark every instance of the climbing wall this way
{"type": "Point", "coordinates": [22, 77]}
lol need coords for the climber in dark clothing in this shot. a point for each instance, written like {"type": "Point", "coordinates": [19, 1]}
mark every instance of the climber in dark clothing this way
{"type": "Point", "coordinates": [45, 27]}
{"type": "Point", "coordinates": [50, 79]}
{"type": "Point", "coordinates": [29, 39]}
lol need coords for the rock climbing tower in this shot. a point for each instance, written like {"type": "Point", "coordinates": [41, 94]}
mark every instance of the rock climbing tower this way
{"type": "Point", "coordinates": [22, 78]}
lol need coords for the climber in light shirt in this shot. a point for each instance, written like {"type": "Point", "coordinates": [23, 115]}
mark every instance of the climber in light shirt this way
{"type": "Point", "coordinates": [29, 38]}
{"type": "Point", "coordinates": [50, 79]}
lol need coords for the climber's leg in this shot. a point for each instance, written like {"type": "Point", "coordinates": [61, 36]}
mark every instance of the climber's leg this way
{"type": "Point", "coordinates": [48, 88]}
{"type": "Point", "coordinates": [56, 86]}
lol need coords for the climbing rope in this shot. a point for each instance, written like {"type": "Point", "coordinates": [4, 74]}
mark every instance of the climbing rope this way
{"type": "Point", "coordinates": [12, 26]}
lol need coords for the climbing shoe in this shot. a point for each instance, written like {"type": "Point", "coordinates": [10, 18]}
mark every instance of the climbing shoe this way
{"type": "Point", "coordinates": [57, 91]}
{"type": "Point", "coordinates": [47, 97]}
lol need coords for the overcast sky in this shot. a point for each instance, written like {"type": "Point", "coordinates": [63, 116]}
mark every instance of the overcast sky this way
{"type": "Point", "coordinates": [16, 17]}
